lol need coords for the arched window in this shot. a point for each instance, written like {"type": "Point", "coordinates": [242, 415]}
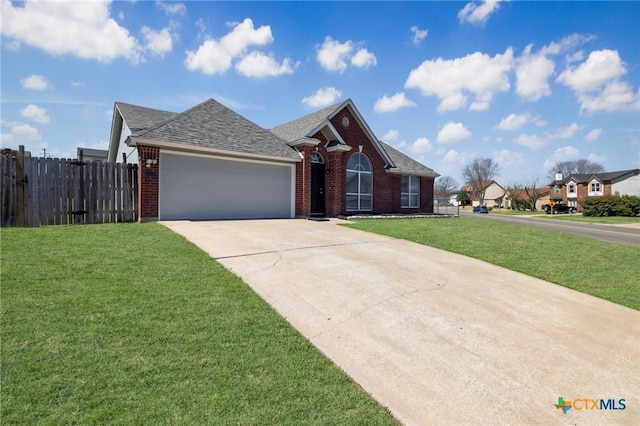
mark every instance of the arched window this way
{"type": "Point", "coordinates": [317, 158]}
{"type": "Point", "coordinates": [359, 183]}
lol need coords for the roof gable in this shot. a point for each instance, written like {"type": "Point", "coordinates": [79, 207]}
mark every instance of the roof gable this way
{"type": "Point", "coordinates": [211, 125]}
{"type": "Point", "coordinates": [307, 126]}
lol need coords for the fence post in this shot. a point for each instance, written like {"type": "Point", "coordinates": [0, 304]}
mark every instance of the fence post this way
{"type": "Point", "coordinates": [20, 213]}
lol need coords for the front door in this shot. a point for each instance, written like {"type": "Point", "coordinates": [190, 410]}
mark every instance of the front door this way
{"type": "Point", "coordinates": [317, 185]}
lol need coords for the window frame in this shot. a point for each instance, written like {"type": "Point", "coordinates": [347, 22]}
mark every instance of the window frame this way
{"type": "Point", "coordinates": [413, 189]}
{"type": "Point", "coordinates": [359, 170]}
{"type": "Point", "coordinates": [595, 187]}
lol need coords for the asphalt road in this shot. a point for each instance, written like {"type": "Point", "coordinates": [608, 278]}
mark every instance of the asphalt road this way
{"type": "Point", "coordinates": [629, 236]}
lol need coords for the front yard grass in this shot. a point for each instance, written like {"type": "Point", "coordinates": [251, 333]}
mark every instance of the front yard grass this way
{"type": "Point", "coordinates": [130, 324]}
{"type": "Point", "coordinates": [606, 270]}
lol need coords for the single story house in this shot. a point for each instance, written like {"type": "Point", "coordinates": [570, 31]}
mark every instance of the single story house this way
{"type": "Point", "coordinates": [574, 188]}
{"type": "Point", "coordinates": [91, 154]}
{"type": "Point", "coordinates": [542, 195]}
{"type": "Point", "coordinates": [493, 195]}
{"type": "Point", "coordinates": [209, 162]}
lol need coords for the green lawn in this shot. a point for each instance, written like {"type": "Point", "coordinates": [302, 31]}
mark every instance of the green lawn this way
{"type": "Point", "coordinates": [607, 220]}
{"type": "Point", "coordinates": [605, 270]}
{"type": "Point", "coordinates": [129, 324]}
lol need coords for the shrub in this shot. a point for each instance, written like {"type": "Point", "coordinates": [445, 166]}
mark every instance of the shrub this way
{"type": "Point", "coordinates": [613, 205]}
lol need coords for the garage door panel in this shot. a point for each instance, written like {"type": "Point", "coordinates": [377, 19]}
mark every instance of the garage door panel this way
{"type": "Point", "coordinates": [201, 188]}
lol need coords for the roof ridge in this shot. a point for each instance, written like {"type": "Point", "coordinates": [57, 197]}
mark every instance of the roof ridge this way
{"type": "Point", "coordinates": [176, 116]}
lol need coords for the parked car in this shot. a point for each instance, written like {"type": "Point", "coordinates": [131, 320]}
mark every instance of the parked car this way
{"type": "Point", "coordinates": [558, 208]}
{"type": "Point", "coordinates": [480, 209]}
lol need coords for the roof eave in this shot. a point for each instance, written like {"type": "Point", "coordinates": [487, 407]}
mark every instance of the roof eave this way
{"type": "Point", "coordinates": [135, 141]}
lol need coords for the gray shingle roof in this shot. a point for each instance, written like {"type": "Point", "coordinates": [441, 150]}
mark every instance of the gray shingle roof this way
{"type": "Point", "coordinates": [405, 164]}
{"type": "Point", "coordinates": [299, 128]}
{"type": "Point", "coordinates": [212, 125]}
{"type": "Point", "coordinates": [140, 118]}
{"type": "Point", "coordinates": [604, 177]}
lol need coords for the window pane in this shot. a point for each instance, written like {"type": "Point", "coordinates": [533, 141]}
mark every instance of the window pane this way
{"type": "Point", "coordinates": [404, 200]}
{"type": "Point", "coordinates": [415, 202]}
{"type": "Point", "coordinates": [365, 163]}
{"type": "Point", "coordinates": [352, 182]}
{"type": "Point", "coordinates": [365, 202]}
{"type": "Point", "coordinates": [404, 187]}
{"type": "Point", "coordinates": [415, 185]}
{"type": "Point", "coordinates": [352, 202]}
{"type": "Point", "coordinates": [353, 162]}
{"type": "Point", "coordinates": [365, 183]}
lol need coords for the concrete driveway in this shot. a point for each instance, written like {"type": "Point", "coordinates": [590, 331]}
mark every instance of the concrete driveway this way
{"type": "Point", "coordinates": [436, 337]}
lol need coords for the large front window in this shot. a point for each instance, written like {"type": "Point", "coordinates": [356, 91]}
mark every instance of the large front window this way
{"type": "Point", "coordinates": [410, 192]}
{"type": "Point", "coordinates": [359, 183]}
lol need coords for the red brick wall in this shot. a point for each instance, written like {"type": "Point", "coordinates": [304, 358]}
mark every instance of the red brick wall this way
{"type": "Point", "coordinates": [386, 186]}
{"type": "Point", "coordinates": [148, 178]}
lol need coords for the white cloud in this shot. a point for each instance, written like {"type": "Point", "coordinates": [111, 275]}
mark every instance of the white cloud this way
{"type": "Point", "coordinates": [452, 132]}
{"type": "Point", "coordinates": [418, 34]}
{"type": "Point", "coordinates": [478, 13]}
{"type": "Point", "coordinates": [82, 29]}
{"type": "Point", "coordinates": [244, 35]}
{"type": "Point", "coordinates": [477, 73]}
{"type": "Point", "coordinates": [453, 161]}
{"type": "Point", "coordinates": [363, 59]}
{"type": "Point", "coordinates": [600, 67]}
{"type": "Point", "coordinates": [210, 58]}
{"type": "Point", "coordinates": [513, 121]}
{"type": "Point", "coordinates": [157, 42]}
{"type": "Point", "coordinates": [597, 158]}
{"type": "Point", "coordinates": [565, 153]}
{"type": "Point", "coordinates": [507, 158]}
{"type": "Point", "coordinates": [35, 113]}
{"type": "Point", "coordinates": [530, 141]}
{"type": "Point", "coordinates": [593, 135]}
{"type": "Point", "coordinates": [565, 132]}
{"type": "Point", "coordinates": [421, 146]}
{"type": "Point", "coordinates": [35, 82]}
{"type": "Point", "coordinates": [172, 8]}
{"type": "Point", "coordinates": [215, 56]}
{"type": "Point", "coordinates": [322, 97]}
{"type": "Point", "coordinates": [616, 96]}
{"type": "Point", "coordinates": [574, 57]}
{"type": "Point", "coordinates": [532, 75]}
{"type": "Point", "coordinates": [393, 103]}
{"type": "Point", "coordinates": [22, 134]}
{"type": "Point", "coordinates": [333, 55]}
{"type": "Point", "coordinates": [260, 65]}
{"type": "Point", "coordinates": [391, 136]}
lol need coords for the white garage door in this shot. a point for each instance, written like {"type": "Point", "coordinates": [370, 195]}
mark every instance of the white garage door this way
{"type": "Point", "coordinates": [202, 187]}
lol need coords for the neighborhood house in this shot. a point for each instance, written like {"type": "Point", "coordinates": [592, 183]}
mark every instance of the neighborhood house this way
{"type": "Point", "coordinates": [211, 163]}
{"type": "Point", "coordinates": [573, 189]}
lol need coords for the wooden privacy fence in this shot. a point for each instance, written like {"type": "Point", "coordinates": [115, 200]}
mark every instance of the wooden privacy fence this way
{"type": "Point", "coordinates": [53, 191]}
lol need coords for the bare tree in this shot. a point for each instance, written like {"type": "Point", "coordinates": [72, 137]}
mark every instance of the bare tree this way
{"type": "Point", "coordinates": [516, 192]}
{"type": "Point", "coordinates": [445, 186]}
{"type": "Point", "coordinates": [479, 175]}
{"type": "Point", "coordinates": [533, 194]}
{"type": "Point", "coordinates": [582, 166]}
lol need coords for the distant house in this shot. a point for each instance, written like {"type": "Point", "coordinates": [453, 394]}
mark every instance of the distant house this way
{"type": "Point", "coordinates": [90, 154]}
{"type": "Point", "coordinates": [520, 194]}
{"type": "Point", "coordinates": [493, 195]}
{"type": "Point", "coordinates": [574, 188]}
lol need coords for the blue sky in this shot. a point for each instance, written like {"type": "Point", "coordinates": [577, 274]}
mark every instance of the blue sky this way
{"type": "Point", "coordinates": [525, 83]}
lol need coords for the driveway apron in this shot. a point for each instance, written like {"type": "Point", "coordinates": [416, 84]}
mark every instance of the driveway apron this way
{"type": "Point", "coordinates": [436, 337]}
